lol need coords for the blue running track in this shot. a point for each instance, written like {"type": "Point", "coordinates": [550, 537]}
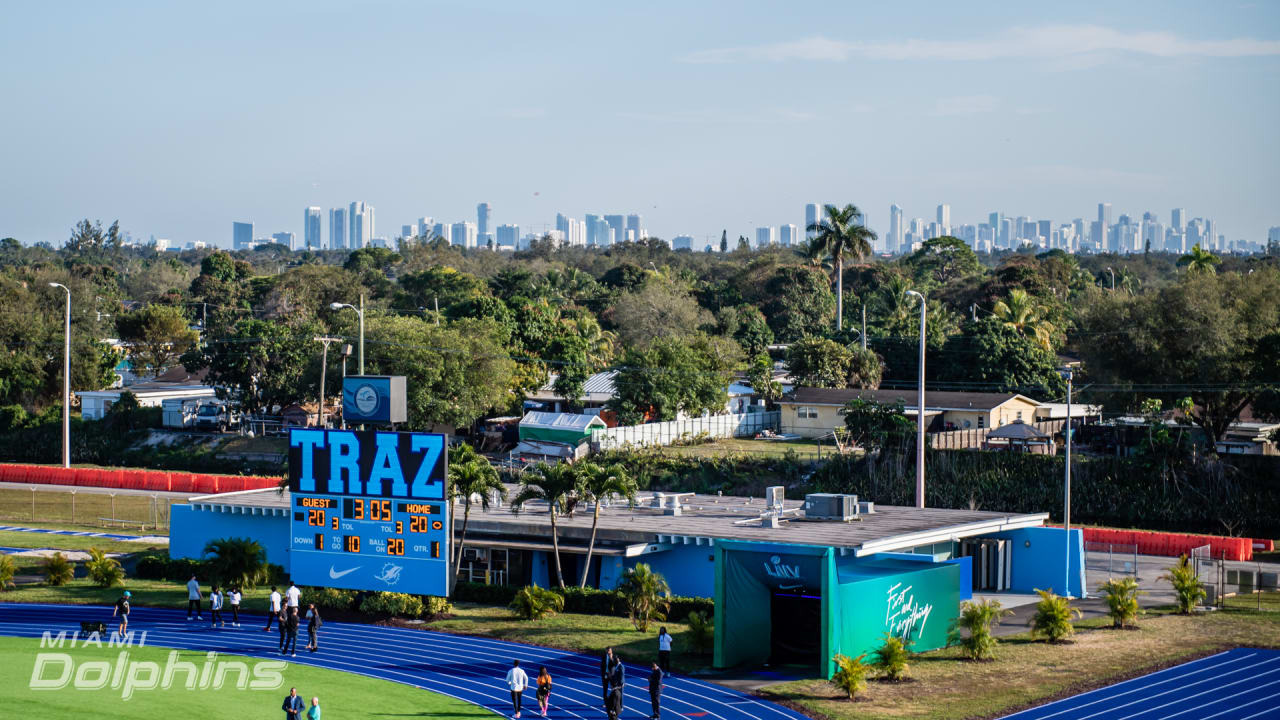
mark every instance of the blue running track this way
{"type": "Point", "coordinates": [72, 533]}
{"type": "Point", "coordinates": [469, 669]}
{"type": "Point", "coordinates": [1240, 684]}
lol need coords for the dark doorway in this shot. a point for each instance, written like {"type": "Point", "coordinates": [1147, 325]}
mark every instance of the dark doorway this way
{"type": "Point", "coordinates": [797, 629]}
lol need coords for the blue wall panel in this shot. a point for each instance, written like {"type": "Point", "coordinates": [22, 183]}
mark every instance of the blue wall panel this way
{"type": "Point", "coordinates": [190, 529]}
{"type": "Point", "coordinates": [689, 569]}
{"type": "Point", "coordinates": [965, 563]}
{"type": "Point", "coordinates": [1038, 559]}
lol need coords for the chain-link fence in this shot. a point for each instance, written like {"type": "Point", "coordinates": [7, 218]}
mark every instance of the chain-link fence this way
{"type": "Point", "coordinates": [1233, 584]}
{"type": "Point", "coordinates": [67, 506]}
{"type": "Point", "coordinates": [1115, 559]}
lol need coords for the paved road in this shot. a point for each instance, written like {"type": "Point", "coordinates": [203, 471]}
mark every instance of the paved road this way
{"type": "Point", "coordinates": [469, 669]}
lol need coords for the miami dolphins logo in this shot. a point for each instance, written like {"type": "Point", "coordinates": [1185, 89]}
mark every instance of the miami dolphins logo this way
{"type": "Point", "coordinates": [390, 574]}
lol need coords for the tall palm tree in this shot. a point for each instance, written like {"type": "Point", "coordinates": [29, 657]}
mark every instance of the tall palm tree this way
{"type": "Point", "coordinates": [838, 234]}
{"type": "Point", "coordinates": [554, 485]}
{"type": "Point", "coordinates": [470, 475]}
{"type": "Point", "coordinates": [600, 483]}
{"type": "Point", "coordinates": [238, 561]}
{"type": "Point", "coordinates": [1022, 312]}
{"type": "Point", "coordinates": [1199, 260]}
{"type": "Point", "coordinates": [647, 595]}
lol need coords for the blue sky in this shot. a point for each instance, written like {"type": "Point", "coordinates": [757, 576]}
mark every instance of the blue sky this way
{"type": "Point", "coordinates": [178, 118]}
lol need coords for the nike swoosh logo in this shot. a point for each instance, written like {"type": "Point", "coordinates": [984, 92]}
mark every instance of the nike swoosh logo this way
{"type": "Point", "coordinates": [334, 575]}
{"type": "Point", "coordinates": [780, 587]}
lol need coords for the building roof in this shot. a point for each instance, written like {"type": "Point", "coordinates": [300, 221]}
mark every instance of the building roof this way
{"type": "Point", "coordinates": [561, 421]}
{"type": "Point", "coordinates": [933, 399]}
{"type": "Point", "coordinates": [705, 520]}
{"type": "Point", "coordinates": [597, 388]}
{"type": "Point", "coordinates": [1016, 430]}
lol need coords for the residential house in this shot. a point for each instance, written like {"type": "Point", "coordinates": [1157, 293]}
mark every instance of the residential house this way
{"type": "Point", "coordinates": [814, 412]}
{"type": "Point", "coordinates": [174, 383]}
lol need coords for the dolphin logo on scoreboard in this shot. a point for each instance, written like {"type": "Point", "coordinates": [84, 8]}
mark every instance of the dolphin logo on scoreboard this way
{"type": "Point", "coordinates": [390, 574]}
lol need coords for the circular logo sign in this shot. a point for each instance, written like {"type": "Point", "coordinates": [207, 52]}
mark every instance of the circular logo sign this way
{"type": "Point", "coordinates": [775, 559]}
{"type": "Point", "coordinates": [366, 399]}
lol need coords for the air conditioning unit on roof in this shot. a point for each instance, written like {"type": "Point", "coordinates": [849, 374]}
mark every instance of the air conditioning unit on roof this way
{"type": "Point", "coordinates": [830, 506]}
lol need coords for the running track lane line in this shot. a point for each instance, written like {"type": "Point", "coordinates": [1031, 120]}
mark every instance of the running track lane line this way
{"type": "Point", "coordinates": [468, 669]}
{"type": "Point", "coordinates": [72, 533]}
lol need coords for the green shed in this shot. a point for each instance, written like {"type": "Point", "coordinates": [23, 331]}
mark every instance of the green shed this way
{"type": "Point", "coordinates": [568, 428]}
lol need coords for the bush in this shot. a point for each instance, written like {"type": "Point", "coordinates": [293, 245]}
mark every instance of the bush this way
{"type": "Point", "coordinates": [850, 675]}
{"type": "Point", "coordinates": [1053, 616]}
{"type": "Point", "coordinates": [330, 598]}
{"type": "Point", "coordinates": [581, 600]}
{"type": "Point", "coordinates": [390, 604]}
{"type": "Point", "coordinates": [1122, 600]}
{"type": "Point", "coordinates": [182, 569]}
{"type": "Point", "coordinates": [646, 593]}
{"type": "Point", "coordinates": [152, 566]}
{"type": "Point", "coordinates": [241, 562]}
{"type": "Point", "coordinates": [976, 619]}
{"type": "Point", "coordinates": [1186, 584]}
{"type": "Point", "coordinates": [534, 603]}
{"type": "Point", "coordinates": [104, 571]}
{"type": "Point", "coordinates": [682, 607]}
{"type": "Point", "coordinates": [58, 570]}
{"type": "Point", "coordinates": [484, 594]}
{"type": "Point", "coordinates": [8, 568]}
{"type": "Point", "coordinates": [892, 657]}
{"type": "Point", "coordinates": [702, 631]}
{"type": "Point", "coordinates": [591, 601]}
{"type": "Point", "coordinates": [434, 606]}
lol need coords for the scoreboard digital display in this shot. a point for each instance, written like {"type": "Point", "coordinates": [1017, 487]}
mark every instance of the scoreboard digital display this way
{"type": "Point", "coordinates": [369, 511]}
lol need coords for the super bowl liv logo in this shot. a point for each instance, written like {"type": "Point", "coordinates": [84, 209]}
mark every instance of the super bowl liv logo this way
{"type": "Point", "coordinates": [903, 615]}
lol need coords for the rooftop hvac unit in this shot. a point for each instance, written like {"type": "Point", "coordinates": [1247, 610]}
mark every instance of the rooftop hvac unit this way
{"type": "Point", "coordinates": [830, 506]}
{"type": "Point", "coordinates": [773, 497]}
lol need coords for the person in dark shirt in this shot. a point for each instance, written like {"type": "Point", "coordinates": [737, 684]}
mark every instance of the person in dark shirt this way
{"type": "Point", "coordinates": [282, 619]}
{"type": "Point", "coordinates": [313, 628]}
{"type": "Point", "coordinates": [655, 689]}
{"type": "Point", "coordinates": [292, 706]}
{"type": "Point", "coordinates": [291, 632]}
{"type": "Point", "coordinates": [122, 609]}
{"type": "Point", "coordinates": [617, 682]}
{"type": "Point", "coordinates": [606, 666]}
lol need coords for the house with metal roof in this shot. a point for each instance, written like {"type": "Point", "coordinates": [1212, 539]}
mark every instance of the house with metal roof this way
{"type": "Point", "coordinates": [568, 428]}
{"type": "Point", "coordinates": [814, 412]}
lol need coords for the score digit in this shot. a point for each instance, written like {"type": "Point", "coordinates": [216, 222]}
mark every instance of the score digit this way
{"type": "Point", "coordinates": [351, 543]}
{"type": "Point", "coordinates": [315, 518]}
{"type": "Point", "coordinates": [395, 546]}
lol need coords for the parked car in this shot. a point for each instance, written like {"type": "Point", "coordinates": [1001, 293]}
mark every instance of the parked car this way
{"type": "Point", "coordinates": [216, 416]}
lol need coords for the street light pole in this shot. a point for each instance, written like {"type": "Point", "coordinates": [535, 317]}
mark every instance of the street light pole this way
{"type": "Point", "coordinates": [1066, 494]}
{"type": "Point", "coordinates": [920, 410]}
{"type": "Point", "coordinates": [66, 379]}
{"type": "Point", "coordinates": [1113, 279]}
{"type": "Point", "coordinates": [360, 314]}
{"type": "Point", "coordinates": [324, 361]}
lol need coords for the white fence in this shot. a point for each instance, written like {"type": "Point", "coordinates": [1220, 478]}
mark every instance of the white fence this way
{"type": "Point", "coordinates": [675, 431]}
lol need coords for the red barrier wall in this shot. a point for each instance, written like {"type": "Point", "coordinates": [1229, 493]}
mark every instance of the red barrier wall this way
{"type": "Point", "coordinates": [1173, 544]}
{"type": "Point", "coordinates": [131, 479]}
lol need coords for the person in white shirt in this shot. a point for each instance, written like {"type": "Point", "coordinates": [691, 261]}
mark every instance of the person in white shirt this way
{"type": "Point", "coordinates": [517, 681]}
{"type": "Point", "coordinates": [293, 593]}
{"type": "Point", "coordinates": [274, 611]}
{"type": "Point", "coordinates": [215, 608]}
{"type": "Point", "coordinates": [193, 598]}
{"type": "Point", "coordinates": [234, 598]}
{"type": "Point", "coordinates": [664, 651]}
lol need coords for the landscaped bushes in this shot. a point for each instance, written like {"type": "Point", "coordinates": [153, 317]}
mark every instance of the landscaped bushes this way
{"type": "Point", "coordinates": [588, 601]}
{"type": "Point", "coordinates": [330, 598]}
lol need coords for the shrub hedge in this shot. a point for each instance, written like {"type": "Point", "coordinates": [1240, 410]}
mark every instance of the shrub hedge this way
{"type": "Point", "coordinates": [588, 601]}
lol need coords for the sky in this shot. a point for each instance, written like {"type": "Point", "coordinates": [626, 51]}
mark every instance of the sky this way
{"type": "Point", "coordinates": [179, 118]}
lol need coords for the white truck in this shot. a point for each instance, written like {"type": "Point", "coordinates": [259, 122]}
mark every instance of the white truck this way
{"type": "Point", "coordinates": [216, 417]}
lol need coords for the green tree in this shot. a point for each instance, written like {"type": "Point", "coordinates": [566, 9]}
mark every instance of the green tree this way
{"type": "Point", "coordinates": [534, 603]}
{"type": "Point", "coordinates": [972, 629]}
{"type": "Point", "coordinates": [58, 570]}
{"type": "Point", "coordinates": [1024, 313]}
{"type": "Point", "coordinates": [996, 357]}
{"type": "Point", "coordinates": [104, 571]}
{"type": "Point", "coordinates": [760, 375]}
{"type": "Point", "coordinates": [671, 375]}
{"type": "Point", "coordinates": [441, 284]}
{"type": "Point", "coordinates": [90, 243]}
{"type": "Point", "coordinates": [600, 483]}
{"type": "Point", "coordinates": [8, 568]}
{"type": "Point", "coordinates": [702, 631]}
{"type": "Point", "coordinates": [892, 659]}
{"type": "Point", "coordinates": [647, 595]}
{"type": "Point", "coordinates": [237, 561]}
{"type": "Point", "coordinates": [866, 369]}
{"type": "Point", "coordinates": [850, 675]}
{"type": "Point", "coordinates": [1185, 580]}
{"type": "Point", "coordinates": [841, 232]}
{"type": "Point", "coordinates": [471, 475]}
{"type": "Point", "coordinates": [554, 485]}
{"type": "Point", "coordinates": [157, 334]}
{"type": "Point", "coordinates": [797, 301]}
{"type": "Point", "coordinates": [1053, 617]}
{"type": "Point", "coordinates": [818, 362]}
{"type": "Point", "coordinates": [1122, 600]}
{"type": "Point", "coordinates": [944, 259]}
{"type": "Point", "coordinates": [573, 367]}
{"type": "Point", "coordinates": [259, 364]}
{"type": "Point", "coordinates": [874, 425]}
{"type": "Point", "coordinates": [661, 307]}
{"type": "Point", "coordinates": [1199, 261]}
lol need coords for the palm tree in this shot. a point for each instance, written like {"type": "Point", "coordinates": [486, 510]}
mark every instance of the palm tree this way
{"type": "Point", "coordinates": [1199, 261]}
{"type": "Point", "coordinates": [838, 234]}
{"type": "Point", "coordinates": [599, 483]}
{"type": "Point", "coordinates": [468, 477]}
{"type": "Point", "coordinates": [552, 484]}
{"type": "Point", "coordinates": [241, 562]}
{"type": "Point", "coordinates": [1022, 312]}
{"type": "Point", "coordinates": [646, 592]}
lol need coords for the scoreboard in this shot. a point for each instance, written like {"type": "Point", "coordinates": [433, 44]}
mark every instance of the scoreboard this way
{"type": "Point", "coordinates": [369, 511]}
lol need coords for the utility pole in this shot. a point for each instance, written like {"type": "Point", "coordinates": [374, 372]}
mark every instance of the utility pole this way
{"type": "Point", "coordinates": [436, 300]}
{"type": "Point", "coordinates": [920, 410]}
{"type": "Point", "coordinates": [1066, 495]}
{"type": "Point", "coordinates": [973, 310]}
{"type": "Point", "coordinates": [864, 326]}
{"type": "Point", "coordinates": [66, 381]}
{"type": "Point", "coordinates": [324, 361]}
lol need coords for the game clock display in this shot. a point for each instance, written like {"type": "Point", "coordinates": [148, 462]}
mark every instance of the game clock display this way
{"type": "Point", "coordinates": [369, 510]}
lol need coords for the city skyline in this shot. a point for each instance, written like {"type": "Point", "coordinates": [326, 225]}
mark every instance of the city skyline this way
{"type": "Point", "coordinates": [729, 122]}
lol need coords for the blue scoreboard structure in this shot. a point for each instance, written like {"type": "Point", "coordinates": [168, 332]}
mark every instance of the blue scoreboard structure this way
{"type": "Point", "coordinates": [370, 510]}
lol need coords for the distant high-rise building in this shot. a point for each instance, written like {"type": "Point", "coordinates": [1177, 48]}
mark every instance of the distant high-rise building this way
{"type": "Point", "coordinates": [635, 227]}
{"type": "Point", "coordinates": [788, 235]}
{"type": "Point", "coordinates": [286, 239]}
{"type": "Point", "coordinates": [944, 218]}
{"type": "Point", "coordinates": [360, 223]}
{"type": "Point", "coordinates": [311, 229]}
{"type": "Point", "coordinates": [483, 215]}
{"type": "Point", "coordinates": [593, 236]}
{"type": "Point", "coordinates": [241, 236]}
{"type": "Point", "coordinates": [766, 236]}
{"type": "Point", "coordinates": [812, 214]}
{"type": "Point", "coordinates": [618, 224]}
{"type": "Point", "coordinates": [1104, 238]}
{"type": "Point", "coordinates": [508, 235]}
{"type": "Point", "coordinates": [685, 242]}
{"type": "Point", "coordinates": [337, 228]}
{"type": "Point", "coordinates": [1044, 229]}
{"type": "Point", "coordinates": [409, 231]}
{"type": "Point", "coordinates": [1178, 218]}
{"type": "Point", "coordinates": [464, 234]}
{"type": "Point", "coordinates": [1273, 235]}
{"type": "Point", "coordinates": [893, 241]}
{"type": "Point", "coordinates": [444, 231]}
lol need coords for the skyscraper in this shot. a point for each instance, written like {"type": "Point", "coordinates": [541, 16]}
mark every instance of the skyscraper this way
{"type": "Point", "coordinates": [618, 224]}
{"type": "Point", "coordinates": [464, 234]}
{"type": "Point", "coordinates": [635, 227]}
{"type": "Point", "coordinates": [311, 229]}
{"type": "Point", "coordinates": [337, 228]}
{"type": "Point", "coordinates": [766, 236]}
{"type": "Point", "coordinates": [592, 222]}
{"type": "Point", "coordinates": [788, 235]}
{"type": "Point", "coordinates": [944, 218]}
{"type": "Point", "coordinates": [1104, 238]}
{"type": "Point", "coordinates": [241, 236]}
{"type": "Point", "coordinates": [1178, 217]}
{"type": "Point", "coordinates": [893, 241]}
{"type": "Point", "coordinates": [360, 222]}
{"type": "Point", "coordinates": [812, 214]}
{"type": "Point", "coordinates": [483, 214]}
{"type": "Point", "coordinates": [286, 239]}
{"type": "Point", "coordinates": [508, 236]}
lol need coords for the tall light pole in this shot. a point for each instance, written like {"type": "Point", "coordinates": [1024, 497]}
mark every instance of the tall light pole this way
{"type": "Point", "coordinates": [324, 361]}
{"type": "Point", "coordinates": [1113, 279]}
{"type": "Point", "coordinates": [360, 313]}
{"type": "Point", "coordinates": [920, 410]}
{"type": "Point", "coordinates": [66, 380]}
{"type": "Point", "coordinates": [1066, 493]}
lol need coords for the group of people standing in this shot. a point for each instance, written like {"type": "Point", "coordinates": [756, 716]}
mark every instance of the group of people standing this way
{"type": "Point", "coordinates": [284, 609]}
{"type": "Point", "coordinates": [613, 681]}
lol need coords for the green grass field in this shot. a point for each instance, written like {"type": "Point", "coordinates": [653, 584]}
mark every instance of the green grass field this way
{"type": "Point", "coordinates": [55, 507]}
{"type": "Point", "coordinates": [803, 449]}
{"type": "Point", "coordinates": [152, 593]}
{"type": "Point", "coordinates": [342, 695]}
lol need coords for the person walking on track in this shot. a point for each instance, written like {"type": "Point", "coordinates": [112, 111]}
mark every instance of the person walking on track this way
{"type": "Point", "coordinates": [655, 690]}
{"type": "Point", "coordinates": [617, 683]}
{"type": "Point", "coordinates": [291, 631]}
{"type": "Point", "coordinates": [292, 595]}
{"type": "Point", "coordinates": [233, 598]}
{"type": "Point", "coordinates": [544, 690]}
{"type": "Point", "coordinates": [313, 628]}
{"type": "Point", "coordinates": [215, 608]}
{"type": "Point", "coordinates": [273, 611]}
{"type": "Point", "coordinates": [282, 621]}
{"type": "Point", "coordinates": [664, 650]}
{"type": "Point", "coordinates": [606, 667]}
{"type": "Point", "coordinates": [122, 609]}
{"type": "Point", "coordinates": [193, 598]}
{"type": "Point", "coordinates": [517, 681]}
